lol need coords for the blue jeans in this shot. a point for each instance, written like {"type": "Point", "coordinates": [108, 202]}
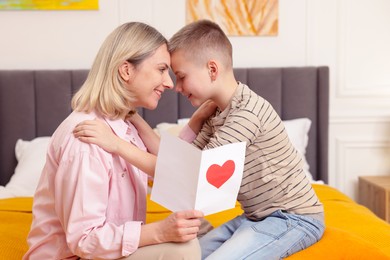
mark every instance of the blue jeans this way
{"type": "Point", "coordinates": [275, 237]}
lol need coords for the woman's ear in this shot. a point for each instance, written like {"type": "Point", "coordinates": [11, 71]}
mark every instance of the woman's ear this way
{"type": "Point", "coordinates": [126, 71]}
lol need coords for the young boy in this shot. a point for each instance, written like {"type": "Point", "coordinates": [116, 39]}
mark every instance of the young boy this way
{"type": "Point", "coordinates": [282, 214]}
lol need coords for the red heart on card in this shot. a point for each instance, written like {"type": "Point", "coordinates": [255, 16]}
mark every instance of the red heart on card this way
{"type": "Point", "coordinates": [217, 175]}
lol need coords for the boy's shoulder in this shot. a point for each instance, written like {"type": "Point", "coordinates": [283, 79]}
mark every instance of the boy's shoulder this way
{"type": "Point", "coordinates": [247, 90]}
{"type": "Point", "coordinates": [245, 95]}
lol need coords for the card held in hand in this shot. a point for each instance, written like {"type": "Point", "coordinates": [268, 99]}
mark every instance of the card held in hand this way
{"type": "Point", "coordinates": [189, 178]}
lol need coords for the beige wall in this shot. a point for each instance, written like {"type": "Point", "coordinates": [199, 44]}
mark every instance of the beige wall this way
{"type": "Point", "coordinates": [350, 36]}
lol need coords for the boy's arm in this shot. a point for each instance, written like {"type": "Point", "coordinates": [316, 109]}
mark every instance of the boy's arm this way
{"type": "Point", "coordinates": [201, 115]}
{"type": "Point", "coordinates": [197, 124]}
{"type": "Point", "coordinates": [143, 160]}
{"type": "Point", "coordinates": [239, 126]}
{"type": "Point", "coordinates": [147, 134]}
{"type": "Point", "coordinates": [99, 133]}
{"type": "Point", "coordinates": [187, 134]}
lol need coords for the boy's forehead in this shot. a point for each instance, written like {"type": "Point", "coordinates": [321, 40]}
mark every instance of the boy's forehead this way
{"type": "Point", "coordinates": [177, 61]}
{"type": "Point", "coordinates": [184, 62]}
{"type": "Point", "coordinates": [184, 59]}
{"type": "Point", "coordinates": [177, 54]}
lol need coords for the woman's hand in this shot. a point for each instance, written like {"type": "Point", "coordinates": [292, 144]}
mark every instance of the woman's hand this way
{"type": "Point", "coordinates": [97, 132]}
{"type": "Point", "coordinates": [181, 226]}
{"type": "Point", "coordinates": [203, 112]}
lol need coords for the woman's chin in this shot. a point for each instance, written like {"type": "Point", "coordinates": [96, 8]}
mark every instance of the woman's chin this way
{"type": "Point", "coordinates": [151, 105]}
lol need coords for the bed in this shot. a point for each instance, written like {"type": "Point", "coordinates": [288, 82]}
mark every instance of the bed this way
{"type": "Point", "coordinates": [34, 102]}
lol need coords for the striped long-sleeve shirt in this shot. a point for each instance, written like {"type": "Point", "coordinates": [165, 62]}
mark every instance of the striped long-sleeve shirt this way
{"type": "Point", "coordinates": [273, 176]}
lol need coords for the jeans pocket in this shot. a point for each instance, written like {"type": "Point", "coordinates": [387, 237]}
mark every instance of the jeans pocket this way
{"type": "Point", "coordinates": [275, 225]}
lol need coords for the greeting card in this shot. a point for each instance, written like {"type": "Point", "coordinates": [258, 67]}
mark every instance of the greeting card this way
{"type": "Point", "coordinates": [189, 178]}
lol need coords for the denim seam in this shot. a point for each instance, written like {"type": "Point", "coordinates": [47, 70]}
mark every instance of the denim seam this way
{"type": "Point", "coordinates": [300, 241]}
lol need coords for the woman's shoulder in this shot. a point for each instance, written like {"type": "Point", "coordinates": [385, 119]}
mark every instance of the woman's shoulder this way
{"type": "Point", "coordinates": [64, 140]}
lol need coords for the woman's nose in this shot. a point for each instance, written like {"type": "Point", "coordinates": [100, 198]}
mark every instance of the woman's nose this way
{"type": "Point", "coordinates": [168, 83]}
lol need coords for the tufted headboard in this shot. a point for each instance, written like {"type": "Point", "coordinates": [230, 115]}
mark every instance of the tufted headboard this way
{"type": "Point", "coordinates": [34, 102]}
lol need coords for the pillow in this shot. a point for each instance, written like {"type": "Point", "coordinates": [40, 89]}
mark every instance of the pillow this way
{"type": "Point", "coordinates": [171, 128]}
{"type": "Point", "coordinates": [31, 157]}
{"type": "Point", "coordinates": [297, 130]}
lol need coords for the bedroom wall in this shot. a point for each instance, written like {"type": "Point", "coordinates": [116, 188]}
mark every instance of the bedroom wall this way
{"type": "Point", "coordinates": [350, 36]}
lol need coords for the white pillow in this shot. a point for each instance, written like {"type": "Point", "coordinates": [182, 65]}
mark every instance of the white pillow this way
{"type": "Point", "coordinates": [172, 128]}
{"type": "Point", "coordinates": [297, 130]}
{"type": "Point", "coordinates": [31, 157]}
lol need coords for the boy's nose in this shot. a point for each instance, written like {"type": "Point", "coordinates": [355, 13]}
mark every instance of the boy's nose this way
{"type": "Point", "coordinates": [178, 88]}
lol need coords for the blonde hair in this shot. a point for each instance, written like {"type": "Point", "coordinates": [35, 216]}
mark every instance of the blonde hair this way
{"type": "Point", "coordinates": [104, 90]}
{"type": "Point", "coordinates": [200, 41]}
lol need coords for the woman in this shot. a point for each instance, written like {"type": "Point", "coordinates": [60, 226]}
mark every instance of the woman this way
{"type": "Point", "coordinates": [90, 203]}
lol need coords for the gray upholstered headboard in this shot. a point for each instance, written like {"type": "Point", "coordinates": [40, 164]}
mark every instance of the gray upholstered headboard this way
{"type": "Point", "coordinates": [33, 103]}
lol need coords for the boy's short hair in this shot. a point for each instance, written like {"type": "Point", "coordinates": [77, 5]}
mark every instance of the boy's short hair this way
{"type": "Point", "coordinates": [202, 40]}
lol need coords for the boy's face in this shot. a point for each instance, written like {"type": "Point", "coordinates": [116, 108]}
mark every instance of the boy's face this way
{"type": "Point", "coordinates": [192, 79]}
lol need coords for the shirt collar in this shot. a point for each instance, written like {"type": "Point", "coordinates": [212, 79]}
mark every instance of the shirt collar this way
{"type": "Point", "coordinates": [119, 126]}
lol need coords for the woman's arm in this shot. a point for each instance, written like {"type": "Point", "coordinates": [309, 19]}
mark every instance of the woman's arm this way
{"type": "Point", "coordinates": [99, 133]}
{"type": "Point", "coordinates": [85, 177]}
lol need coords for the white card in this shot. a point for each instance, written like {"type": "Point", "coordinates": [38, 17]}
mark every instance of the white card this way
{"type": "Point", "coordinates": [188, 178]}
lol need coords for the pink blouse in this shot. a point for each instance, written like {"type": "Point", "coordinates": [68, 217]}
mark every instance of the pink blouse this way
{"type": "Point", "coordinates": [89, 203]}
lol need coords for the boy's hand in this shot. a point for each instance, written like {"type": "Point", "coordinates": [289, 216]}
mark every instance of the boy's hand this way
{"type": "Point", "coordinates": [97, 132]}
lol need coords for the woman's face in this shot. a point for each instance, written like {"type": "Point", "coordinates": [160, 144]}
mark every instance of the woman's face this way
{"type": "Point", "coordinates": [150, 78]}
